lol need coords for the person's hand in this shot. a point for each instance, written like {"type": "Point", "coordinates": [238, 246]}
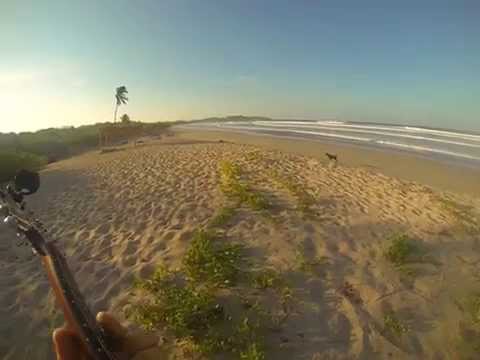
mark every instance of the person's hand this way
{"type": "Point", "coordinates": [139, 346]}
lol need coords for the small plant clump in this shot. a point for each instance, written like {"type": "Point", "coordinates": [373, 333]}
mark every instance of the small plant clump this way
{"type": "Point", "coordinates": [308, 265]}
{"type": "Point", "coordinates": [186, 303]}
{"type": "Point", "coordinates": [213, 262]}
{"type": "Point", "coordinates": [266, 279]}
{"type": "Point", "coordinates": [468, 343]}
{"type": "Point", "coordinates": [462, 213]}
{"type": "Point", "coordinates": [253, 352]}
{"type": "Point", "coordinates": [253, 155]}
{"type": "Point", "coordinates": [234, 188]}
{"type": "Point", "coordinates": [400, 250]}
{"type": "Point", "coordinates": [185, 311]}
{"type": "Point", "coordinates": [471, 305]}
{"type": "Point", "coordinates": [305, 200]}
{"type": "Point", "coordinates": [223, 217]}
{"type": "Point", "coordinates": [394, 325]}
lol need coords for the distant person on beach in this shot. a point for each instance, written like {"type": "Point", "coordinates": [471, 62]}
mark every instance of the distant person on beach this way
{"type": "Point", "coordinates": [137, 346]}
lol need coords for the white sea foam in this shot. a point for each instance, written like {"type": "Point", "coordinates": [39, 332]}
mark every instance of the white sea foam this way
{"type": "Point", "coordinates": [288, 129]}
{"type": "Point", "coordinates": [318, 133]}
{"type": "Point", "coordinates": [386, 133]}
{"type": "Point", "coordinates": [403, 129]}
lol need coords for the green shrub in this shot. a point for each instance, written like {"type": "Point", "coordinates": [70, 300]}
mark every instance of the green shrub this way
{"type": "Point", "coordinates": [253, 352]}
{"type": "Point", "coordinates": [266, 279]}
{"type": "Point", "coordinates": [58, 143]}
{"type": "Point", "coordinates": [222, 217]}
{"type": "Point", "coordinates": [394, 325]}
{"type": "Point", "coordinates": [234, 188]}
{"type": "Point", "coordinates": [399, 250]}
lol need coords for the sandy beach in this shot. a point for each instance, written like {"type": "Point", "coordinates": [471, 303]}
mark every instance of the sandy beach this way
{"type": "Point", "coordinates": [121, 214]}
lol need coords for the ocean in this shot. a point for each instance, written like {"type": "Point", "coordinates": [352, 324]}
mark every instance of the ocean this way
{"type": "Point", "coordinates": [439, 144]}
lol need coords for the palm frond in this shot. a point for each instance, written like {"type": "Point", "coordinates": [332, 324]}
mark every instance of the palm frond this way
{"type": "Point", "coordinates": [122, 90]}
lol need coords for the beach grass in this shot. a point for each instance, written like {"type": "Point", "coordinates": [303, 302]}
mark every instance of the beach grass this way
{"type": "Point", "coordinates": [401, 249]}
{"type": "Point", "coordinates": [222, 217]}
{"type": "Point", "coordinates": [190, 305]}
{"type": "Point", "coordinates": [190, 302]}
{"type": "Point", "coordinates": [236, 189]}
{"type": "Point", "coordinates": [211, 261]}
{"type": "Point", "coordinates": [468, 341]}
{"type": "Point", "coordinates": [306, 264]}
{"type": "Point", "coordinates": [463, 214]}
{"type": "Point", "coordinates": [394, 325]}
{"type": "Point", "coordinates": [266, 279]}
{"type": "Point", "coordinates": [304, 200]}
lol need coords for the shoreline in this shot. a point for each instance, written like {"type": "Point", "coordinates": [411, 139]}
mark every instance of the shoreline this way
{"type": "Point", "coordinates": [434, 173]}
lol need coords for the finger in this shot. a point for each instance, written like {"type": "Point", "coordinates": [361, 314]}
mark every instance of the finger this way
{"type": "Point", "coordinates": [139, 341]}
{"type": "Point", "coordinates": [111, 325]}
{"type": "Point", "coordinates": [130, 344]}
{"type": "Point", "coordinates": [66, 345]}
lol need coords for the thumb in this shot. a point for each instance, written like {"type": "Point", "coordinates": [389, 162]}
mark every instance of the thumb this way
{"type": "Point", "coordinates": [67, 346]}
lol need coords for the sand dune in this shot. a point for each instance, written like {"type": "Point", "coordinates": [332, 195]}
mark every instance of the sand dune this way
{"type": "Point", "coordinates": [120, 214]}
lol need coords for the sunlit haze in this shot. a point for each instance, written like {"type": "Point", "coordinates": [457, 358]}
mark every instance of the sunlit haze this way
{"type": "Point", "coordinates": [412, 62]}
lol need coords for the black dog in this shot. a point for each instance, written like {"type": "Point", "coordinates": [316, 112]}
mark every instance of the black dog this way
{"type": "Point", "coordinates": [332, 157]}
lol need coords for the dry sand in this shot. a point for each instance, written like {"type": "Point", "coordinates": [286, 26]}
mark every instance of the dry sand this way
{"type": "Point", "coordinates": [118, 215]}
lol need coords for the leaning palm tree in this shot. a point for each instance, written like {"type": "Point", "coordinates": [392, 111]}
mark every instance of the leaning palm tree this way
{"type": "Point", "coordinates": [120, 98]}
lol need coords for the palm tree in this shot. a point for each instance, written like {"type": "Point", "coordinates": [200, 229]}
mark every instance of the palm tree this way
{"type": "Point", "coordinates": [120, 98]}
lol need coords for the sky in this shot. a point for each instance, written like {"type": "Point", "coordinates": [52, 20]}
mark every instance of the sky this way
{"type": "Point", "coordinates": [410, 62]}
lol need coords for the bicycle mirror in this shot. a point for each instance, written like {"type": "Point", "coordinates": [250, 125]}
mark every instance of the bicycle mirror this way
{"type": "Point", "coordinates": [27, 182]}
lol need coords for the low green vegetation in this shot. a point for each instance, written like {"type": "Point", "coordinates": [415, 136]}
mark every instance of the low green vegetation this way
{"type": "Point", "coordinates": [471, 307]}
{"type": "Point", "coordinates": [196, 303]}
{"type": "Point", "coordinates": [215, 303]}
{"type": "Point", "coordinates": [32, 150]}
{"type": "Point", "coordinates": [305, 201]}
{"type": "Point", "coordinates": [403, 252]}
{"type": "Point", "coordinates": [266, 279]}
{"type": "Point", "coordinates": [190, 305]}
{"type": "Point", "coordinates": [305, 264]}
{"type": "Point", "coordinates": [467, 344]}
{"type": "Point", "coordinates": [212, 303]}
{"type": "Point", "coordinates": [236, 189]}
{"type": "Point", "coordinates": [393, 325]}
{"type": "Point", "coordinates": [211, 261]}
{"type": "Point", "coordinates": [462, 213]}
{"type": "Point", "coordinates": [222, 217]}
{"type": "Point", "coordinates": [185, 311]}
{"type": "Point", "coordinates": [400, 250]}
{"type": "Point", "coordinates": [253, 155]}
{"type": "Point", "coordinates": [254, 351]}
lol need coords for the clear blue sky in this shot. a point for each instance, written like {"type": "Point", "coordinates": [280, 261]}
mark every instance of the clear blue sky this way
{"type": "Point", "coordinates": [415, 62]}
